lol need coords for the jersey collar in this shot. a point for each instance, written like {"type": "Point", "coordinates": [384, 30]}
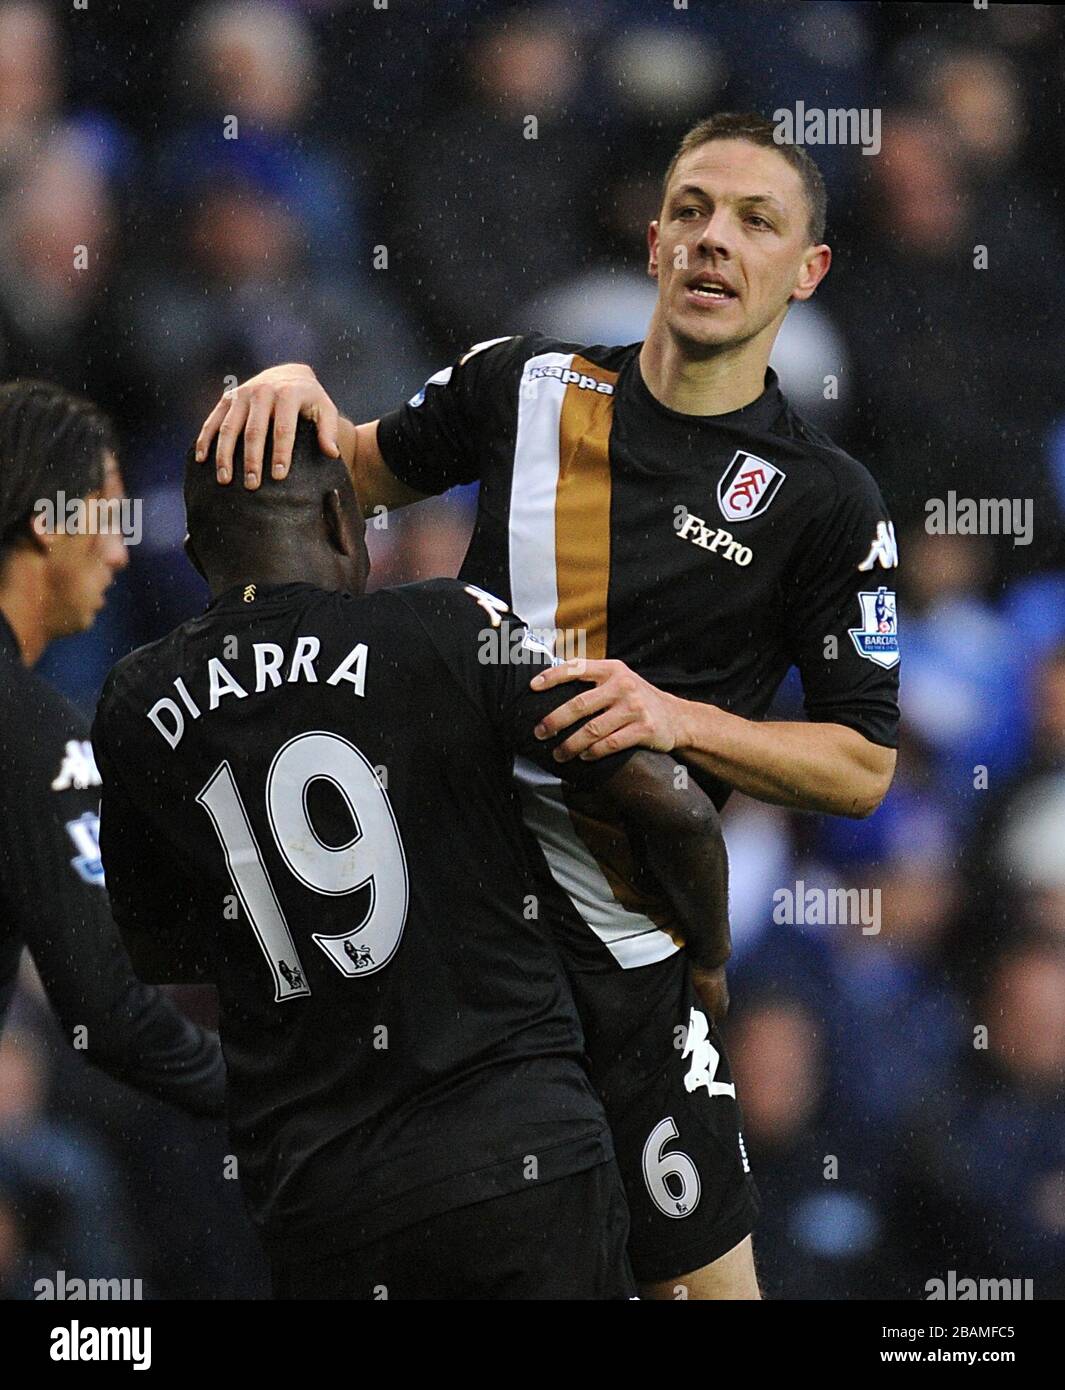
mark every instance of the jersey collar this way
{"type": "Point", "coordinates": [758, 416]}
{"type": "Point", "coordinates": [254, 593]}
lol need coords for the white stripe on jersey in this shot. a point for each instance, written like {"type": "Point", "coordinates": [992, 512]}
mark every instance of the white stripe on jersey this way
{"type": "Point", "coordinates": [531, 524]}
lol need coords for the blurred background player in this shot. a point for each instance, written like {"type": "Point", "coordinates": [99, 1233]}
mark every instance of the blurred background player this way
{"type": "Point", "coordinates": [408, 1098]}
{"type": "Point", "coordinates": [56, 448]}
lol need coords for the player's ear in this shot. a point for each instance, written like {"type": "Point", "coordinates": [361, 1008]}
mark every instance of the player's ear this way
{"type": "Point", "coordinates": [652, 249]}
{"type": "Point", "coordinates": [39, 533]}
{"type": "Point", "coordinates": [343, 521]}
{"type": "Point", "coordinates": [193, 558]}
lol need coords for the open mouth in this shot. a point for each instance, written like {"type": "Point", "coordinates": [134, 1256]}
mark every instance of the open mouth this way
{"type": "Point", "coordinates": [711, 290]}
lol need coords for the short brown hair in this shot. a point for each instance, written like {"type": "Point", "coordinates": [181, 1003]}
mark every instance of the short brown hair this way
{"type": "Point", "coordinates": [732, 125]}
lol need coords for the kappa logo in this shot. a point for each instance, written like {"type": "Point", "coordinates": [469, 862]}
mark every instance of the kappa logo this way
{"type": "Point", "coordinates": [878, 637]}
{"type": "Point", "coordinates": [705, 1058]}
{"type": "Point", "coordinates": [493, 606]}
{"type": "Point", "coordinates": [883, 551]}
{"type": "Point", "coordinates": [568, 377]}
{"type": "Point", "coordinates": [747, 486]}
{"type": "Point", "coordinates": [78, 769]}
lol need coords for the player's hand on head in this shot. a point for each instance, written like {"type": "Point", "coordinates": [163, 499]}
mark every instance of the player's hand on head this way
{"type": "Point", "coordinates": [626, 710]}
{"type": "Point", "coordinates": [281, 395]}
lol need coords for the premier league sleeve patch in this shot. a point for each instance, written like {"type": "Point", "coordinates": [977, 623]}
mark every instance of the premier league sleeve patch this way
{"type": "Point", "coordinates": [878, 637]}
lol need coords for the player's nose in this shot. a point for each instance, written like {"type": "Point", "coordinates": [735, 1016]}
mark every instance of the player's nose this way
{"type": "Point", "coordinates": [717, 237]}
{"type": "Point", "coordinates": [116, 553]}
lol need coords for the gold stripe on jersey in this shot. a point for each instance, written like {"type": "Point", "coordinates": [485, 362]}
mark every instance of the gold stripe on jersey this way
{"type": "Point", "coordinates": [582, 512]}
{"type": "Point", "coordinates": [582, 581]}
{"type": "Point", "coordinates": [631, 938]}
{"type": "Point", "coordinates": [612, 850]}
{"type": "Point", "coordinates": [559, 555]}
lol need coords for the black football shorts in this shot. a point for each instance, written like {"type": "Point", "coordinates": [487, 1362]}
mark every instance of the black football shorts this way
{"type": "Point", "coordinates": [564, 1239]}
{"type": "Point", "coordinates": [661, 1069]}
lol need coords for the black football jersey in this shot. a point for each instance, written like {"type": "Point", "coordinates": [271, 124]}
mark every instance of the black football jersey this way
{"type": "Point", "coordinates": [308, 800]}
{"type": "Point", "coordinates": [53, 901]}
{"type": "Point", "coordinates": [710, 553]}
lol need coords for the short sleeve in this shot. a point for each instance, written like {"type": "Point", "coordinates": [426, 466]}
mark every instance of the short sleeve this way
{"type": "Point", "coordinates": [842, 617]}
{"type": "Point", "coordinates": [435, 441]}
{"type": "Point", "coordinates": [493, 656]}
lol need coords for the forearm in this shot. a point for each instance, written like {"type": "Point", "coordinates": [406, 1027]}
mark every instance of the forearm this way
{"type": "Point", "coordinates": [692, 871]}
{"type": "Point", "coordinates": [806, 766]}
{"type": "Point", "coordinates": [676, 832]}
{"type": "Point", "coordinates": [125, 1027]}
{"type": "Point", "coordinates": [150, 1045]}
{"type": "Point", "coordinates": [348, 444]}
{"type": "Point", "coordinates": [375, 485]}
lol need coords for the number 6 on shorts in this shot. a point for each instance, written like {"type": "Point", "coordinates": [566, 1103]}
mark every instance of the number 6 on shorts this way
{"type": "Point", "coordinates": [659, 1168]}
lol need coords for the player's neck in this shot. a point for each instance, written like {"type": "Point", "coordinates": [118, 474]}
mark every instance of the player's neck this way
{"type": "Point", "coordinates": [24, 604]}
{"type": "Point", "coordinates": [714, 385]}
{"type": "Point", "coordinates": [306, 568]}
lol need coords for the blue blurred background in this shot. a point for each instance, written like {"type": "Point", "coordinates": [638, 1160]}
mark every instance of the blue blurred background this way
{"type": "Point", "coordinates": [903, 1090]}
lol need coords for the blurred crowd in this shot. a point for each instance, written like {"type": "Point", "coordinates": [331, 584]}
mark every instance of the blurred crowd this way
{"type": "Point", "coordinates": [351, 185]}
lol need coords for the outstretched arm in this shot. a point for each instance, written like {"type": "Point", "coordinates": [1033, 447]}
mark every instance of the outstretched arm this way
{"type": "Point", "coordinates": [807, 766]}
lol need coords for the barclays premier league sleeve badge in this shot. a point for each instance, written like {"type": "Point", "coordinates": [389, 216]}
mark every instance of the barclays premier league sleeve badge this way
{"type": "Point", "coordinates": [878, 637]}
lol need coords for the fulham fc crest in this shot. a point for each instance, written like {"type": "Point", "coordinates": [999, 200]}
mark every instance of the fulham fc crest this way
{"type": "Point", "coordinates": [747, 486]}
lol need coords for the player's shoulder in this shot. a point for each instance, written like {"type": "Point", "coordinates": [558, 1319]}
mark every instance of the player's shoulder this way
{"type": "Point", "coordinates": [850, 479]}
{"type": "Point", "coordinates": [467, 623]}
{"type": "Point", "coordinates": [35, 720]}
{"type": "Point", "coordinates": [547, 353]}
{"type": "Point", "coordinates": [449, 603]}
{"type": "Point", "coordinates": [607, 355]}
{"type": "Point", "coordinates": [131, 671]}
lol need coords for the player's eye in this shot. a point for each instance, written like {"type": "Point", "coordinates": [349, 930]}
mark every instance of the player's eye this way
{"type": "Point", "coordinates": [684, 213]}
{"type": "Point", "coordinates": [756, 219]}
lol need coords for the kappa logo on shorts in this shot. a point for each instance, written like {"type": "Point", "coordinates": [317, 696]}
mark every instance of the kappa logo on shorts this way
{"type": "Point", "coordinates": [705, 1058]}
{"type": "Point", "coordinates": [878, 637]}
{"type": "Point", "coordinates": [747, 486]}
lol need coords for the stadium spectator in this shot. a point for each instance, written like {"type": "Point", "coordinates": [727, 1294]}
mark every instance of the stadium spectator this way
{"type": "Point", "coordinates": [820, 1235]}
{"type": "Point", "coordinates": [981, 1187]}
